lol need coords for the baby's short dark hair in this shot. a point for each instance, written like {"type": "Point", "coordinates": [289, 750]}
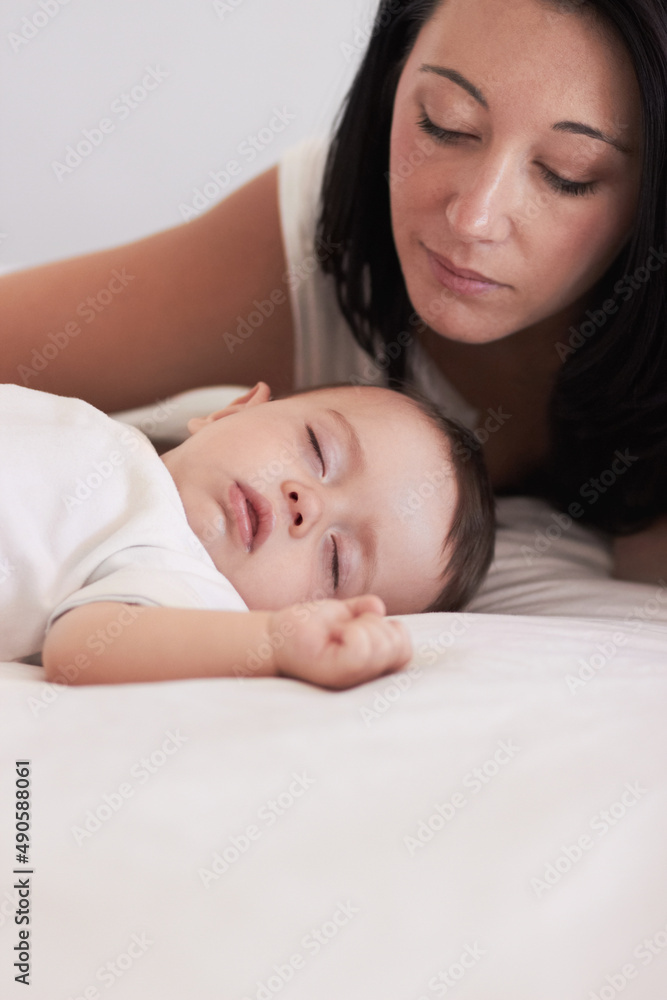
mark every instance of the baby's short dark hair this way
{"type": "Point", "coordinates": [468, 546]}
{"type": "Point", "coordinates": [470, 540]}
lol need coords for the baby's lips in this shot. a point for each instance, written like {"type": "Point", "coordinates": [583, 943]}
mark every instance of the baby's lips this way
{"type": "Point", "coordinates": [239, 507]}
{"type": "Point", "coordinates": [265, 515]}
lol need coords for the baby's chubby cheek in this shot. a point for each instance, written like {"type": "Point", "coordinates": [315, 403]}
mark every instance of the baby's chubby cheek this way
{"type": "Point", "coordinates": [268, 581]}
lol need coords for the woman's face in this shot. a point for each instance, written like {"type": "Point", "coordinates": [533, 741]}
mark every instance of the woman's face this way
{"type": "Point", "coordinates": [497, 165]}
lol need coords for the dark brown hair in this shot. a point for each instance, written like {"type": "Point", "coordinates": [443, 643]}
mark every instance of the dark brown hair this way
{"type": "Point", "coordinates": [611, 391]}
{"type": "Point", "coordinates": [471, 536]}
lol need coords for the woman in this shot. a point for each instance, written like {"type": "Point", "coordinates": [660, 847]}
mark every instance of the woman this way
{"type": "Point", "coordinates": [492, 228]}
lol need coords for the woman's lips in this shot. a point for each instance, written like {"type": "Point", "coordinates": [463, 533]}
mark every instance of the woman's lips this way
{"type": "Point", "coordinates": [459, 279]}
{"type": "Point", "coordinates": [253, 514]}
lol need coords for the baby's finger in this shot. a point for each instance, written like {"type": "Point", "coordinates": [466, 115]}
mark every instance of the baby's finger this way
{"type": "Point", "coordinates": [394, 644]}
{"type": "Point", "coordinates": [366, 603]}
{"type": "Point", "coordinates": [404, 642]}
{"type": "Point", "coordinates": [379, 644]}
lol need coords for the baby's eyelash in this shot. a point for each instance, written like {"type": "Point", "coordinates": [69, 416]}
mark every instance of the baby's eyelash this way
{"type": "Point", "coordinates": [316, 446]}
{"type": "Point", "coordinates": [335, 569]}
{"type": "Point", "coordinates": [334, 565]}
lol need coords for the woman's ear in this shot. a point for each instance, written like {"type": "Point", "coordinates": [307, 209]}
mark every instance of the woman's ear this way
{"type": "Point", "coordinates": [260, 393]}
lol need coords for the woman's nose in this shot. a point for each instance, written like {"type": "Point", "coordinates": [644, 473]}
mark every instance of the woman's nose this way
{"type": "Point", "coordinates": [304, 506]}
{"type": "Point", "coordinates": [481, 206]}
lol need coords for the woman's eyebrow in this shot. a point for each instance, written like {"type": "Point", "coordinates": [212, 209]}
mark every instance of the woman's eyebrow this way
{"type": "Point", "coordinates": [451, 74]}
{"type": "Point", "coordinates": [577, 128]}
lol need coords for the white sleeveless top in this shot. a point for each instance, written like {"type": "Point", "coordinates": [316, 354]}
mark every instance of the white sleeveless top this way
{"type": "Point", "coordinates": [325, 348]}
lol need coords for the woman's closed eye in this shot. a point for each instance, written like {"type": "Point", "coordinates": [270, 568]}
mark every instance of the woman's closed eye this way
{"type": "Point", "coordinates": [556, 183]}
{"type": "Point", "coordinates": [567, 187]}
{"type": "Point", "coordinates": [443, 134]}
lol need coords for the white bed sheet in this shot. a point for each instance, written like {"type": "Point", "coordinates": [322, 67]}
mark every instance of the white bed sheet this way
{"type": "Point", "coordinates": [373, 764]}
{"type": "Point", "coordinates": [556, 687]}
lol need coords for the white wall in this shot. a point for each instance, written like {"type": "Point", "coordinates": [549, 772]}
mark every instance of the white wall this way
{"type": "Point", "coordinates": [222, 68]}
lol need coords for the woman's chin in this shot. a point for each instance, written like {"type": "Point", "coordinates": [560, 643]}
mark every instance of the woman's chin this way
{"type": "Point", "coordinates": [461, 321]}
{"type": "Point", "coordinates": [464, 333]}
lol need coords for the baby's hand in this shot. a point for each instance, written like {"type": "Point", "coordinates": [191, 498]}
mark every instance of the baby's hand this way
{"type": "Point", "coordinates": [338, 644]}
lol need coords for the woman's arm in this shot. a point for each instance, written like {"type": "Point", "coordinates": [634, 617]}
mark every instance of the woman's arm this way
{"type": "Point", "coordinates": [332, 643]}
{"type": "Point", "coordinates": [642, 557]}
{"type": "Point", "coordinates": [174, 295]}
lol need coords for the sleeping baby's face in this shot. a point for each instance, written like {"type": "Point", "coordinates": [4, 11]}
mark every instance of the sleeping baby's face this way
{"type": "Point", "coordinates": [332, 493]}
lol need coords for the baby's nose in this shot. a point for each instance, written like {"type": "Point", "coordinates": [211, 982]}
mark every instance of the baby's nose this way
{"type": "Point", "coordinates": [305, 508]}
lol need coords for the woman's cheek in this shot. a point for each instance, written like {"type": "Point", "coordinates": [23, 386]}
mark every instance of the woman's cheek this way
{"type": "Point", "coordinates": [590, 246]}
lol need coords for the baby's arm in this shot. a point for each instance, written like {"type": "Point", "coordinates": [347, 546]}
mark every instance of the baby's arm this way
{"type": "Point", "coordinates": [335, 644]}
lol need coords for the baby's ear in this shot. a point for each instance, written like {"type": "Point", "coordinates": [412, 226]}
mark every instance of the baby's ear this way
{"type": "Point", "coordinates": [195, 424]}
{"type": "Point", "coordinates": [260, 393]}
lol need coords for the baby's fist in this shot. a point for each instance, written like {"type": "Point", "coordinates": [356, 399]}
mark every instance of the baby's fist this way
{"type": "Point", "coordinates": [338, 644]}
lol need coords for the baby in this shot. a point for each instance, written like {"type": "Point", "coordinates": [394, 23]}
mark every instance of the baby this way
{"type": "Point", "coordinates": [321, 513]}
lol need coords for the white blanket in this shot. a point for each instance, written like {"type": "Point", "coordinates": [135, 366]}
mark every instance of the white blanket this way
{"type": "Point", "coordinates": [488, 825]}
